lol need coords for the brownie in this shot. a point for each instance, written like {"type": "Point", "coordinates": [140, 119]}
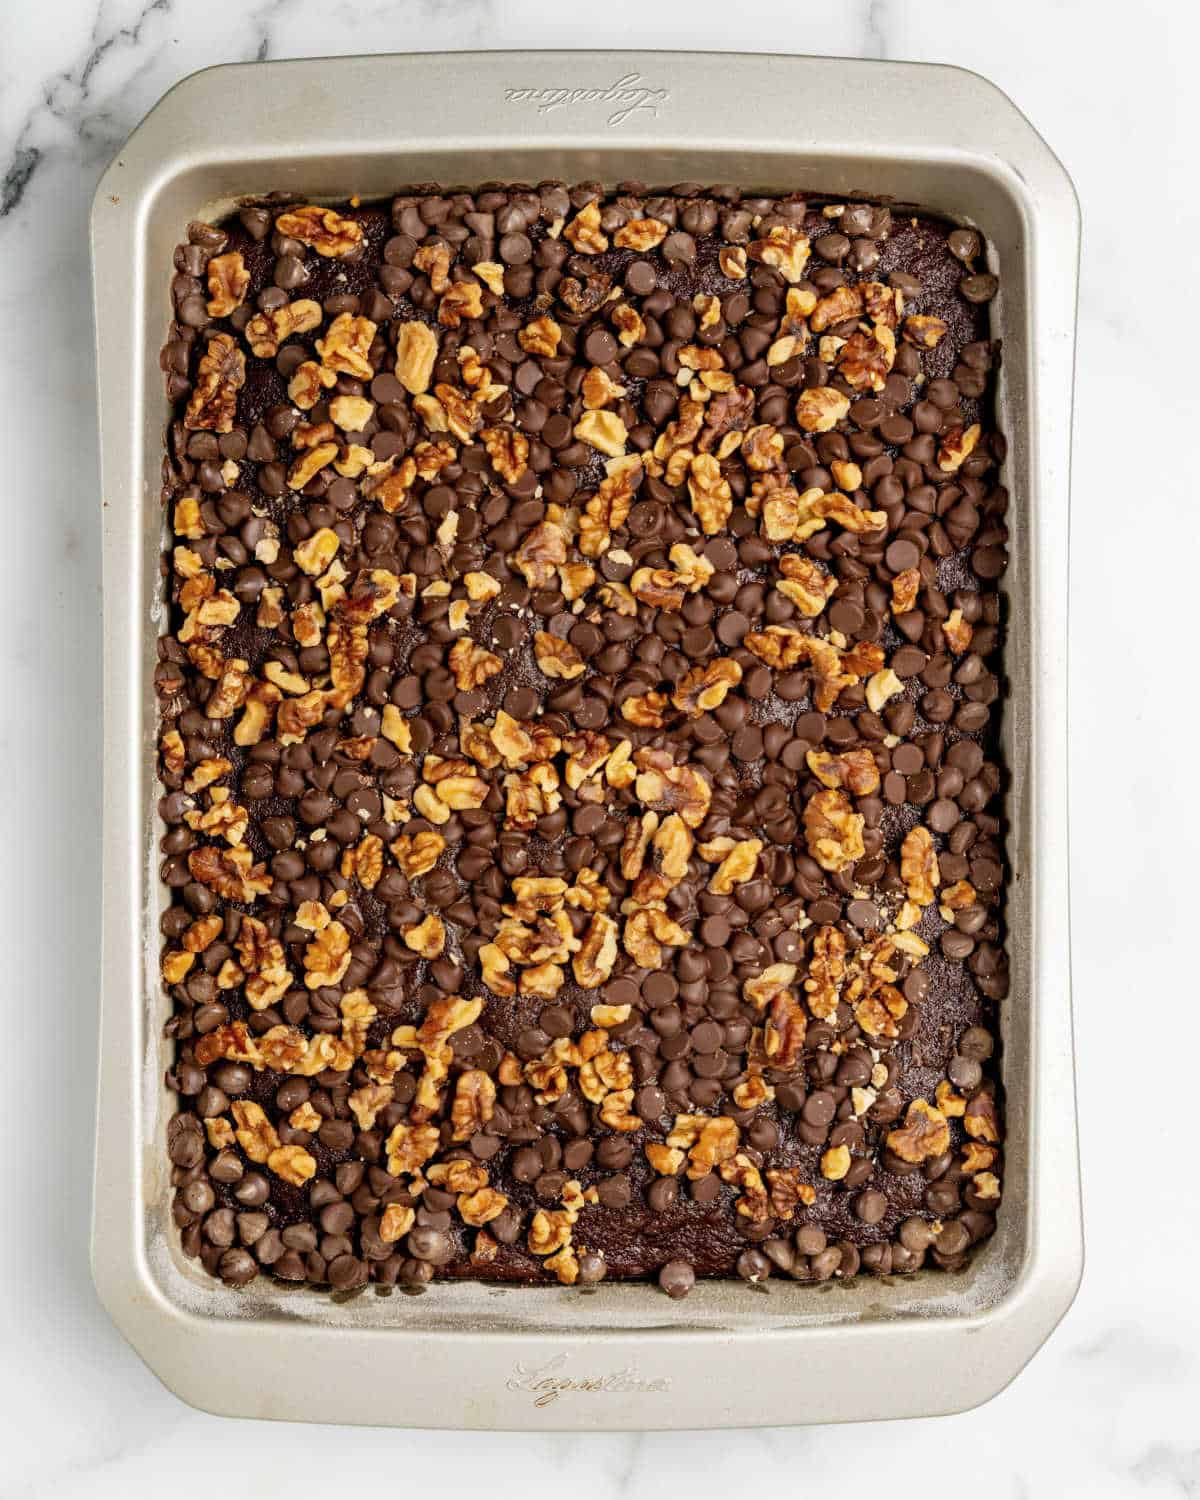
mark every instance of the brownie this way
{"type": "Point", "coordinates": [581, 788]}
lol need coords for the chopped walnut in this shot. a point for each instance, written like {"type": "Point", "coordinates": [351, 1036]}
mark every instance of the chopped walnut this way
{"type": "Point", "coordinates": [366, 1102]}
{"type": "Point", "coordinates": [346, 346]}
{"type": "Point", "coordinates": [711, 1142]}
{"type": "Point", "coordinates": [670, 788]}
{"type": "Point", "coordinates": [762, 449]}
{"type": "Point", "coordinates": [310, 464]}
{"type": "Point", "coordinates": [494, 968]}
{"type": "Point", "coordinates": [905, 586]}
{"type": "Point", "coordinates": [326, 231]}
{"type": "Point", "coordinates": [416, 353]}
{"type": "Point", "coordinates": [540, 336]}
{"type": "Point", "coordinates": [980, 1119]}
{"type": "Point", "coordinates": [957, 446]}
{"type": "Point", "coordinates": [658, 587]}
{"type": "Point", "coordinates": [315, 554]}
{"type": "Point", "coordinates": [925, 1133]}
{"type": "Point", "coordinates": [327, 957]}
{"type": "Point", "coordinates": [852, 770]}
{"type": "Point", "coordinates": [417, 853]}
{"type": "Point", "coordinates": [599, 389]}
{"type": "Point", "coordinates": [583, 233]}
{"type": "Point", "coordinates": [736, 868]}
{"type": "Point", "coordinates": [640, 234]}
{"type": "Point", "coordinates": [752, 1092]}
{"type": "Point", "coordinates": [865, 359]}
{"type": "Point", "coordinates": [549, 1231]}
{"type": "Point", "coordinates": [785, 249]}
{"type": "Point", "coordinates": [409, 1147]}
{"type": "Point", "coordinates": [924, 330]}
{"type": "Point", "coordinates": [805, 584]}
{"type": "Point", "coordinates": [471, 665]}
{"type": "Point", "coordinates": [647, 933]}
{"type": "Point", "coordinates": [255, 1133]}
{"type": "Point", "coordinates": [821, 408]}
{"type": "Point", "coordinates": [267, 330]}
{"type": "Point", "coordinates": [542, 552]}
{"type": "Point", "coordinates": [667, 1161]}
{"type": "Point", "coordinates": [702, 689]}
{"type": "Point", "coordinates": [557, 657]}
{"type": "Point", "coordinates": [603, 430]}
{"type": "Point", "coordinates": [461, 300]}
{"type": "Point", "coordinates": [593, 964]}
{"type": "Point", "coordinates": [293, 1164]}
{"type": "Point", "coordinates": [221, 375]}
{"type": "Point", "coordinates": [645, 709]}
{"type": "Point", "coordinates": [427, 938]}
{"type": "Point", "coordinates": [231, 873]}
{"type": "Point", "coordinates": [784, 1030]}
{"type": "Point", "coordinates": [395, 1222]}
{"type": "Point", "coordinates": [228, 279]}
{"type": "Point", "coordinates": [919, 865]}
{"type": "Point", "coordinates": [957, 632]}
{"type": "Point", "coordinates": [882, 686]}
{"type": "Point", "coordinates": [712, 499]}
{"type": "Point", "coordinates": [835, 1163]}
{"type": "Point", "coordinates": [838, 306]}
{"type": "Point", "coordinates": [628, 322]}
{"type": "Point", "coordinates": [832, 830]}
{"type": "Point", "coordinates": [616, 1111]}
{"type": "Point", "coordinates": [481, 1207]}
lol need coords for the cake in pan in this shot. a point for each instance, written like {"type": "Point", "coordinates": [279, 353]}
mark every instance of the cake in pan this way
{"type": "Point", "coordinates": [579, 746]}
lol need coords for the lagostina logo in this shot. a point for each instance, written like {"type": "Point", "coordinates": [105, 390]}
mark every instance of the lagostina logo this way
{"type": "Point", "coordinates": [627, 96]}
{"type": "Point", "coordinates": [549, 1382]}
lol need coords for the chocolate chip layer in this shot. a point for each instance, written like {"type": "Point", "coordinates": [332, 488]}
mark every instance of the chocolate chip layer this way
{"type": "Point", "coordinates": [582, 802]}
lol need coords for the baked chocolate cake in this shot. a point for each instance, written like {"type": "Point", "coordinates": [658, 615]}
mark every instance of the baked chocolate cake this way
{"type": "Point", "coordinates": [583, 809]}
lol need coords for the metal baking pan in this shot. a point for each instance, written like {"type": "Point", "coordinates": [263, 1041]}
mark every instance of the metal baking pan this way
{"type": "Point", "coordinates": [621, 1355]}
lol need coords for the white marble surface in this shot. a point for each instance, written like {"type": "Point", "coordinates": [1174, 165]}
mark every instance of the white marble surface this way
{"type": "Point", "coordinates": [1111, 1406]}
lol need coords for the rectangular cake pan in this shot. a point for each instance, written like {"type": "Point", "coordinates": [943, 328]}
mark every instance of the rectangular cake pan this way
{"type": "Point", "coordinates": [618, 1356]}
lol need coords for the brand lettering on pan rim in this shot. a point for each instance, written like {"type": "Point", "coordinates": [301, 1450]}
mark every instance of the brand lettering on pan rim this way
{"type": "Point", "coordinates": [546, 1383]}
{"type": "Point", "coordinates": [629, 94]}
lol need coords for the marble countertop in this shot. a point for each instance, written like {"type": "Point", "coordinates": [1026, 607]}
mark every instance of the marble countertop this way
{"type": "Point", "coordinates": [1110, 1406]}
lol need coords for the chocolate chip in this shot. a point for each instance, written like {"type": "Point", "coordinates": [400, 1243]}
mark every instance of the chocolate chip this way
{"type": "Point", "coordinates": [677, 1278]}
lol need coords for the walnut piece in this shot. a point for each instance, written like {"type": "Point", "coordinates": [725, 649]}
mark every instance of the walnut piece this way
{"type": "Point", "coordinates": [737, 867]}
{"type": "Point", "coordinates": [647, 933]}
{"type": "Point", "coordinates": [221, 375]}
{"type": "Point", "coordinates": [925, 1133]}
{"type": "Point", "coordinates": [805, 583]}
{"type": "Point", "coordinates": [228, 279]}
{"type": "Point", "coordinates": [472, 665]}
{"type": "Point", "coordinates": [346, 346]}
{"type": "Point", "coordinates": [593, 964]}
{"type": "Point", "coordinates": [853, 770]}
{"type": "Point", "coordinates": [326, 231]}
{"type": "Point", "coordinates": [919, 865]}
{"type": "Point", "coordinates": [604, 431]}
{"type": "Point", "coordinates": [416, 353]}
{"type": "Point", "coordinates": [821, 408]}
{"type": "Point", "coordinates": [583, 233]}
{"type": "Point", "coordinates": [557, 657]}
{"type": "Point", "coordinates": [427, 938]}
{"type": "Point", "coordinates": [267, 330]}
{"type": "Point", "coordinates": [640, 234]}
{"type": "Point", "coordinates": [833, 830]}
{"type": "Point", "coordinates": [712, 498]}
{"type": "Point", "coordinates": [785, 249]}
{"type": "Point", "coordinates": [293, 1164]}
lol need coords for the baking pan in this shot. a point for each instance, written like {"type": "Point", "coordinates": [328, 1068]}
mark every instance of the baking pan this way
{"type": "Point", "coordinates": [619, 1355]}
